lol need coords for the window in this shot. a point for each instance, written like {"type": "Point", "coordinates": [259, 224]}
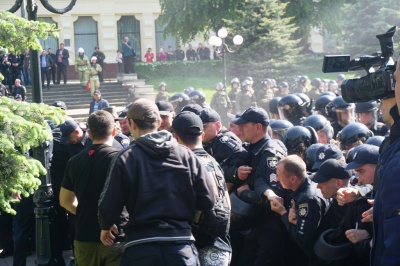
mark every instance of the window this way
{"type": "Point", "coordinates": [50, 42]}
{"type": "Point", "coordinates": [160, 41]}
{"type": "Point", "coordinates": [85, 29]}
{"type": "Point", "coordinates": [129, 26]}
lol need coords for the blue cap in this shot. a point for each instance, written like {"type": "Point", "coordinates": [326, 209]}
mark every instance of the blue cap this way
{"type": "Point", "coordinates": [328, 151]}
{"type": "Point", "coordinates": [331, 168]}
{"type": "Point", "coordinates": [364, 154]}
{"type": "Point", "coordinates": [208, 115]}
{"type": "Point", "coordinates": [192, 107]}
{"type": "Point", "coordinates": [254, 115]}
{"type": "Point", "coordinates": [66, 129]}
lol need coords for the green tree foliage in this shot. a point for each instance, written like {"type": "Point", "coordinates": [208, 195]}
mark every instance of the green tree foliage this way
{"type": "Point", "coordinates": [364, 20]}
{"type": "Point", "coordinates": [187, 18]}
{"type": "Point", "coordinates": [307, 14]}
{"type": "Point", "coordinates": [22, 126]}
{"type": "Point", "coordinates": [267, 50]}
{"type": "Point", "coordinates": [18, 33]}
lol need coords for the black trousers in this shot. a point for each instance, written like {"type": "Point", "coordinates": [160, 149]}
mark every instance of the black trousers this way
{"type": "Point", "coordinates": [128, 64]}
{"type": "Point", "coordinates": [53, 73]}
{"type": "Point", "coordinates": [61, 69]}
{"type": "Point", "coordinates": [161, 254]}
{"type": "Point", "coordinates": [6, 233]}
{"type": "Point", "coordinates": [45, 72]}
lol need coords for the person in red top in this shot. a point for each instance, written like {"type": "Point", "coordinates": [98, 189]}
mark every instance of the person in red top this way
{"type": "Point", "coordinates": [162, 55]}
{"type": "Point", "coordinates": [149, 56]}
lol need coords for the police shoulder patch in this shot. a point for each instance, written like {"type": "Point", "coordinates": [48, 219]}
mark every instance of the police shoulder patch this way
{"type": "Point", "coordinates": [224, 139]}
{"type": "Point", "coordinates": [272, 162]}
{"type": "Point", "coordinates": [273, 178]}
{"type": "Point", "coordinates": [303, 210]}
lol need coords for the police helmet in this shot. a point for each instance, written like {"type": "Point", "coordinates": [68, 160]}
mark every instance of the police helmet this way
{"type": "Point", "coordinates": [303, 79]}
{"type": "Point", "coordinates": [311, 154]}
{"type": "Point", "coordinates": [235, 80]}
{"type": "Point", "coordinates": [322, 102]}
{"type": "Point", "coordinates": [267, 81]}
{"type": "Point", "coordinates": [280, 126]}
{"type": "Point", "coordinates": [341, 77]}
{"type": "Point", "coordinates": [364, 107]}
{"type": "Point", "coordinates": [375, 140]}
{"type": "Point", "coordinates": [219, 86]}
{"type": "Point", "coordinates": [273, 82]}
{"type": "Point", "coordinates": [340, 104]}
{"type": "Point", "coordinates": [329, 93]}
{"type": "Point", "coordinates": [188, 90]}
{"type": "Point", "coordinates": [291, 107]}
{"type": "Point", "coordinates": [246, 82]}
{"type": "Point", "coordinates": [250, 79]}
{"type": "Point", "coordinates": [316, 121]}
{"type": "Point", "coordinates": [197, 97]}
{"type": "Point", "coordinates": [332, 245]}
{"type": "Point", "coordinates": [179, 100]}
{"type": "Point", "coordinates": [60, 104]}
{"type": "Point", "coordinates": [298, 138]}
{"type": "Point", "coordinates": [316, 83]}
{"type": "Point", "coordinates": [283, 84]}
{"type": "Point", "coordinates": [308, 102]}
{"type": "Point", "coordinates": [273, 105]}
{"type": "Point", "coordinates": [162, 84]}
{"type": "Point", "coordinates": [243, 214]}
{"type": "Point", "coordinates": [353, 133]}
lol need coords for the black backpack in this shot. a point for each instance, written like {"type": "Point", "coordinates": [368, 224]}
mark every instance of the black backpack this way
{"type": "Point", "coordinates": [215, 222]}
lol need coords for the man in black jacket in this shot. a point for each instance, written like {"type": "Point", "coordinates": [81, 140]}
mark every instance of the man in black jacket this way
{"type": "Point", "coordinates": [161, 184]}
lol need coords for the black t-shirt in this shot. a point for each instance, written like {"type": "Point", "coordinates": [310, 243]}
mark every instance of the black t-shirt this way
{"type": "Point", "coordinates": [85, 174]}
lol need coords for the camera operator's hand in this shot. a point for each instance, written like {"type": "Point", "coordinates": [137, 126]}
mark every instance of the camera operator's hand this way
{"type": "Point", "coordinates": [397, 72]}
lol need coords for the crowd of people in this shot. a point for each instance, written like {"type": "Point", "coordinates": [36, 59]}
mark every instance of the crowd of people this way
{"type": "Point", "coordinates": [279, 175]}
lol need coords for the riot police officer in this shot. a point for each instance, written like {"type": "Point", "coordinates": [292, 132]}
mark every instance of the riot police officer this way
{"type": "Point", "coordinates": [178, 101]}
{"type": "Point", "coordinates": [245, 98]}
{"type": "Point", "coordinates": [283, 89]}
{"type": "Point", "coordinates": [298, 138]}
{"type": "Point", "coordinates": [321, 126]}
{"type": "Point", "coordinates": [265, 94]}
{"type": "Point", "coordinates": [291, 107]}
{"type": "Point", "coordinates": [235, 88]}
{"type": "Point", "coordinates": [367, 113]}
{"type": "Point", "coordinates": [316, 89]}
{"type": "Point", "coordinates": [221, 103]}
{"type": "Point", "coordinates": [279, 128]}
{"type": "Point", "coordinates": [321, 103]}
{"type": "Point", "coordinates": [163, 95]}
{"type": "Point", "coordinates": [273, 107]}
{"type": "Point", "coordinates": [199, 98]}
{"type": "Point", "coordinates": [353, 135]}
{"type": "Point", "coordinates": [342, 114]}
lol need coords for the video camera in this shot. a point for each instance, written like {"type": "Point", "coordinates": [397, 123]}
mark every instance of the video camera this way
{"type": "Point", "coordinates": [377, 84]}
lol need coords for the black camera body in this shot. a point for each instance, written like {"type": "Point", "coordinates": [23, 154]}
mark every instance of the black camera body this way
{"type": "Point", "coordinates": [379, 84]}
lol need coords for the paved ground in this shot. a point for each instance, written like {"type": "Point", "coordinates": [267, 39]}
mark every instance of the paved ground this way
{"type": "Point", "coordinates": [31, 259]}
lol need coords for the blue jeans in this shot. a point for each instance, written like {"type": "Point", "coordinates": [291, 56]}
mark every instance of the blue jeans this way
{"type": "Point", "coordinates": [161, 254]}
{"type": "Point", "coordinates": [26, 73]}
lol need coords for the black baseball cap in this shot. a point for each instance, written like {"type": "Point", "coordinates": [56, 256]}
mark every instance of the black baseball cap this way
{"type": "Point", "coordinates": [254, 115]}
{"type": "Point", "coordinates": [208, 115]}
{"type": "Point", "coordinates": [164, 107]}
{"type": "Point", "coordinates": [325, 152]}
{"type": "Point", "coordinates": [329, 169]}
{"type": "Point", "coordinates": [66, 129]}
{"type": "Point", "coordinates": [122, 114]}
{"type": "Point", "coordinates": [193, 107]}
{"type": "Point", "coordinates": [188, 124]}
{"type": "Point", "coordinates": [364, 154]}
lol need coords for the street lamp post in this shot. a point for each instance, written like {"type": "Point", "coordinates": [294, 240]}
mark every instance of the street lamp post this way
{"type": "Point", "coordinates": [44, 195]}
{"type": "Point", "coordinates": [219, 41]}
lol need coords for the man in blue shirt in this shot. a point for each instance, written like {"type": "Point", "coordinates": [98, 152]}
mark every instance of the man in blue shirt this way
{"type": "Point", "coordinates": [129, 53]}
{"type": "Point", "coordinates": [97, 103]}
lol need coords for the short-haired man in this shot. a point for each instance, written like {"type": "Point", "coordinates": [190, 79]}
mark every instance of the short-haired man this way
{"type": "Point", "coordinates": [83, 182]}
{"type": "Point", "coordinates": [124, 123]}
{"type": "Point", "coordinates": [19, 89]}
{"type": "Point", "coordinates": [62, 63]}
{"type": "Point", "coordinates": [97, 103]}
{"type": "Point", "coordinates": [161, 184]}
{"type": "Point", "coordinates": [307, 206]}
{"type": "Point", "coordinates": [188, 130]}
{"type": "Point", "coordinates": [179, 53]}
{"type": "Point", "coordinates": [260, 184]}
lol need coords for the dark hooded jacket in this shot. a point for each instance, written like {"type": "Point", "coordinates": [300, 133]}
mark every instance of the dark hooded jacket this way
{"type": "Point", "coordinates": [162, 184]}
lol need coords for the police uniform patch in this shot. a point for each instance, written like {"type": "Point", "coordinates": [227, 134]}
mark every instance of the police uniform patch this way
{"type": "Point", "coordinates": [321, 156]}
{"type": "Point", "coordinates": [303, 210]}
{"type": "Point", "coordinates": [224, 139]}
{"type": "Point", "coordinates": [272, 162]}
{"type": "Point", "coordinates": [273, 178]}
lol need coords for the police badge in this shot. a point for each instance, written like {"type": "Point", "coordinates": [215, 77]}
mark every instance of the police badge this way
{"type": "Point", "coordinates": [272, 162]}
{"type": "Point", "coordinates": [303, 210]}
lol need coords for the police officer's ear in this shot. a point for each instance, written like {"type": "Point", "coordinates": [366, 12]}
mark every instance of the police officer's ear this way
{"type": "Point", "coordinates": [114, 131]}
{"type": "Point", "coordinates": [218, 126]}
{"type": "Point", "coordinates": [202, 136]}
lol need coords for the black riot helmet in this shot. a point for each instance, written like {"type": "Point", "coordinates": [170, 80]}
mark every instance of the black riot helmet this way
{"type": "Point", "coordinates": [243, 214]}
{"type": "Point", "coordinates": [298, 138]}
{"type": "Point", "coordinates": [321, 103]}
{"type": "Point", "coordinates": [197, 97]}
{"type": "Point", "coordinates": [316, 83]}
{"type": "Point", "coordinates": [311, 154]}
{"type": "Point", "coordinates": [273, 105]}
{"type": "Point", "coordinates": [308, 102]}
{"type": "Point", "coordinates": [328, 93]}
{"type": "Point", "coordinates": [354, 133]}
{"type": "Point", "coordinates": [339, 105]}
{"type": "Point", "coordinates": [188, 90]}
{"type": "Point", "coordinates": [320, 124]}
{"type": "Point", "coordinates": [291, 107]}
{"type": "Point", "coordinates": [375, 140]}
{"type": "Point", "coordinates": [365, 107]}
{"type": "Point", "coordinates": [332, 245]}
{"type": "Point", "coordinates": [179, 100]}
{"type": "Point", "coordinates": [279, 128]}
